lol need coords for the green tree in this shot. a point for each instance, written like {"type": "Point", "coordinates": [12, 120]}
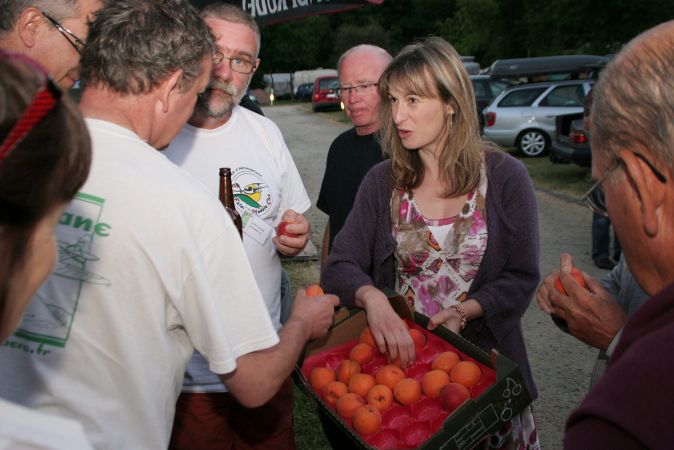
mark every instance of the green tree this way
{"type": "Point", "coordinates": [348, 35]}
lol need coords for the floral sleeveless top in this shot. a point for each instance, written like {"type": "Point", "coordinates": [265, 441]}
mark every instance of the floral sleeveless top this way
{"type": "Point", "coordinates": [430, 275]}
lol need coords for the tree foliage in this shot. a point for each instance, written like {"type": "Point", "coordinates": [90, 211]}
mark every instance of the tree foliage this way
{"type": "Point", "coordinates": [486, 29]}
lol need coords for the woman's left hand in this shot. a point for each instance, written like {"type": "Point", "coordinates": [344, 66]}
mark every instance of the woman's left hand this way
{"type": "Point", "coordinates": [449, 317]}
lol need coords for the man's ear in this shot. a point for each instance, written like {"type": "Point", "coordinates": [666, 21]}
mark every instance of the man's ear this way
{"type": "Point", "coordinates": [29, 25]}
{"type": "Point", "coordinates": [169, 88]}
{"type": "Point", "coordinates": [257, 66]}
{"type": "Point", "coordinates": [649, 190]}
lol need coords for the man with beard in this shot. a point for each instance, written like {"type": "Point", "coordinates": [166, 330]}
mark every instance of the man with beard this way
{"type": "Point", "coordinates": [267, 190]}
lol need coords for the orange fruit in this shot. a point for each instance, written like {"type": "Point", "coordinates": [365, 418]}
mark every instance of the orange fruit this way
{"type": "Point", "coordinates": [445, 361]}
{"type": "Point", "coordinates": [362, 353]}
{"type": "Point", "coordinates": [433, 381]}
{"type": "Point", "coordinates": [361, 383]}
{"type": "Point", "coordinates": [467, 373]}
{"type": "Point", "coordinates": [367, 338]}
{"type": "Point", "coordinates": [314, 290]}
{"type": "Point", "coordinates": [419, 338]}
{"type": "Point", "coordinates": [577, 275]}
{"type": "Point", "coordinates": [333, 390]}
{"type": "Point", "coordinates": [380, 396]}
{"type": "Point", "coordinates": [367, 420]}
{"type": "Point", "coordinates": [389, 376]}
{"type": "Point", "coordinates": [345, 369]}
{"type": "Point", "coordinates": [452, 396]}
{"type": "Point", "coordinates": [348, 403]}
{"type": "Point", "coordinates": [407, 391]}
{"type": "Point", "coordinates": [320, 376]}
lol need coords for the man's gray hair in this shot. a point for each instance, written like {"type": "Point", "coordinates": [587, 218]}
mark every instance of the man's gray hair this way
{"type": "Point", "coordinates": [633, 106]}
{"type": "Point", "coordinates": [59, 10]}
{"type": "Point", "coordinates": [376, 52]}
{"type": "Point", "coordinates": [133, 45]}
{"type": "Point", "coordinates": [231, 13]}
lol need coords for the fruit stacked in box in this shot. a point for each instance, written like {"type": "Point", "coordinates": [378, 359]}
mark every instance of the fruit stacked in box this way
{"type": "Point", "coordinates": [389, 406]}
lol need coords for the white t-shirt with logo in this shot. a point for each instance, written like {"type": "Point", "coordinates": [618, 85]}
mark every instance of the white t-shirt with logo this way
{"type": "Point", "coordinates": [149, 268]}
{"type": "Point", "coordinates": [23, 428]}
{"type": "Point", "coordinates": [266, 183]}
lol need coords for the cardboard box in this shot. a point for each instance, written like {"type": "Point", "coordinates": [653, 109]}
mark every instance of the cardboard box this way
{"type": "Point", "coordinates": [502, 396]}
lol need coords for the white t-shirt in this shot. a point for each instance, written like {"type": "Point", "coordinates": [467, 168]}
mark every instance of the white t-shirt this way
{"type": "Point", "coordinates": [150, 267]}
{"type": "Point", "coordinates": [23, 428]}
{"type": "Point", "coordinates": [266, 184]}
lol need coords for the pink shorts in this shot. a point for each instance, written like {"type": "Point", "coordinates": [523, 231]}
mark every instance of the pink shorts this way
{"type": "Point", "coordinates": [216, 421]}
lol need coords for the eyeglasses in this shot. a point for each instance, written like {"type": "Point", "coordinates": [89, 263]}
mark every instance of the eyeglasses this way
{"type": "Point", "coordinates": [77, 43]}
{"type": "Point", "coordinates": [236, 63]}
{"type": "Point", "coordinates": [360, 89]}
{"type": "Point", "coordinates": [45, 99]}
{"type": "Point", "coordinates": [595, 198]}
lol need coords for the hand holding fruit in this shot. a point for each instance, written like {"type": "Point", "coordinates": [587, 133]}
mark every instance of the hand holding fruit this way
{"type": "Point", "coordinates": [552, 284]}
{"type": "Point", "coordinates": [591, 313]}
{"type": "Point", "coordinates": [388, 330]}
{"type": "Point", "coordinates": [292, 233]}
{"type": "Point", "coordinates": [314, 312]}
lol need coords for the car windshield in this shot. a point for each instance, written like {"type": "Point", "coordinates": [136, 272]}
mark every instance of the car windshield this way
{"type": "Point", "coordinates": [497, 87]}
{"type": "Point", "coordinates": [521, 97]}
{"type": "Point", "coordinates": [565, 96]}
{"type": "Point", "coordinates": [328, 83]}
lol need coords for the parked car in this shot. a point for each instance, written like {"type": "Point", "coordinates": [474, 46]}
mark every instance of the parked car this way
{"type": "Point", "coordinates": [486, 88]}
{"type": "Point", "coordinates": [571, 142]}
{"type": "Point", "coordinates": [524, 115]}
{"type": "Point", "coordinates": [304, 92]}
{"type": "Point", "coordinates": [325, 94]}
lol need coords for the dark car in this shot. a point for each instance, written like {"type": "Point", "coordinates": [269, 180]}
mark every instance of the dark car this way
{"type": "Point", "coordinates": [572, 142]}
{"type": "Point", "coordinates": [325, 93]}
{"type": "Point", "coordinates": [304, 92]}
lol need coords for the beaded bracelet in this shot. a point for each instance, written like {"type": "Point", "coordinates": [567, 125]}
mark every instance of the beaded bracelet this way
{"type": "Point", "coordinates": [462, 313]}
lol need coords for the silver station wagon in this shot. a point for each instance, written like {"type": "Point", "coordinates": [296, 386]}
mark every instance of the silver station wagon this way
{"type": "Point", "coordinates": [524, 115]}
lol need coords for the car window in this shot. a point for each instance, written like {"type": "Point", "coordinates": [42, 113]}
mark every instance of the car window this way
{"type": "Point", "coordinates": [328, 83]}
{"type": "Point", "coordinates": [521, 97]}
{"type": "Point", "coordinates": [497, 87]}
{"type": "Point", "coordinates": [564, 96]}
{"type": "Point", "coordinates": [480, 89]}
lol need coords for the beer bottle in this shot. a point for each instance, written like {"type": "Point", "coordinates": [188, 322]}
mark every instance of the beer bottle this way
{"type": "Point", "coordinates": [226, 196]}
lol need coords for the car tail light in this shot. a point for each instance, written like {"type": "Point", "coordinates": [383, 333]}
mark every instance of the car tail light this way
{"type": "Point", "coordinates": [578, 137]}
{"type": "Point", "coordinates": [490, 119]}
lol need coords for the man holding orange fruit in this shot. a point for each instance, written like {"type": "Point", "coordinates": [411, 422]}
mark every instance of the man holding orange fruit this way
{"type": "Point", "coordinates": [630, 406]}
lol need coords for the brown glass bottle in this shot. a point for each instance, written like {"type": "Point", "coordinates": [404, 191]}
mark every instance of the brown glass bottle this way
{"type": "Point", "coordinates": [226, 196]}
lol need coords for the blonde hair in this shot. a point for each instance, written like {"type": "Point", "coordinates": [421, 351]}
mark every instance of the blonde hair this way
{"type": "Point", "coordinates": [433, 68]}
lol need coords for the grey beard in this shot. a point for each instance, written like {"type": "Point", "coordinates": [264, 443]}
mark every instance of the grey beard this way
{"type": "Point", "coordinates": [224, 106]}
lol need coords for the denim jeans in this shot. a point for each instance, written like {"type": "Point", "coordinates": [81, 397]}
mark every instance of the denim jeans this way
{"type": "Point", "coordinates": [601, 239]}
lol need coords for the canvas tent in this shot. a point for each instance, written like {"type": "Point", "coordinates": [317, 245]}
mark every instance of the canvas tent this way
{"type": "Point", "coordinates": [267, 12]}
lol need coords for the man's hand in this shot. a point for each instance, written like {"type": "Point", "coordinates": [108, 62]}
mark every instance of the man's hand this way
{"type": "Point", "coordinates": [592, 314]}
{"type": "Point", "coordinates": [300, 227]}
{"type": "Point", "coordinates": [315, 313]}
{"type": "Point", "coordinates": [388, 329]}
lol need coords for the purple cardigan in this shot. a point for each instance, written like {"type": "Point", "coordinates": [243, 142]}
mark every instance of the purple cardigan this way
{"type": "Point", "coordinates": [362, 254]}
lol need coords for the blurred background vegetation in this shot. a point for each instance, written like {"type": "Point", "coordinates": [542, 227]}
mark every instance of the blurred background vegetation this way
{"type": "Point", "coordinates": [486, 29]}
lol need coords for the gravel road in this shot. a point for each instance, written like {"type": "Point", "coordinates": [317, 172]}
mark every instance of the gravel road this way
{"type": "Point", "coordinates": [561, 364]}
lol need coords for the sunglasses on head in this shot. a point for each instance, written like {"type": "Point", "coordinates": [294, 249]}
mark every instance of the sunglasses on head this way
{"type": "Point", "coordinates": [45, 99]}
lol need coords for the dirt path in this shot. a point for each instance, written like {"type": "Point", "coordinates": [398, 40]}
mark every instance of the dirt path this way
{"type": "Point", "coordinates": [561, 364]}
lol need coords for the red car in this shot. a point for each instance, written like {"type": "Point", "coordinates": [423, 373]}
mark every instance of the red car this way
{"type": "Point", "coordinates": [325, 93]}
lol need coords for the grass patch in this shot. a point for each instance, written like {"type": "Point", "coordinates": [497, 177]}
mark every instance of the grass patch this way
{"type": "Point", "coordinates": [308, 430]}
{"type": "Point", "coordinates": [568, 179]}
